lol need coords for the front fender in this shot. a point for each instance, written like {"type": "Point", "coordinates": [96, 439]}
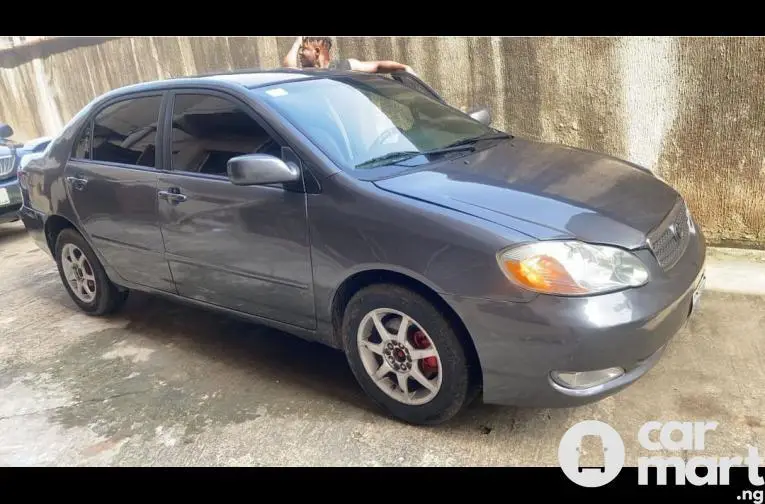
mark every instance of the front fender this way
{"type": "Point", "coordinates": [356, 227]}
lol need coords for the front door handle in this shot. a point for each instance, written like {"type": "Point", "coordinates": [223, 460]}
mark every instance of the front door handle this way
{"type": "Point", "coordinates": [172, 197]}
{"type": "Point", "coordinates": [77, 183]}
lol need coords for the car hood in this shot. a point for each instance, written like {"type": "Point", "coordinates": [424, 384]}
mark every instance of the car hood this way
{"type": "Point", "coordinates": [546, 191]}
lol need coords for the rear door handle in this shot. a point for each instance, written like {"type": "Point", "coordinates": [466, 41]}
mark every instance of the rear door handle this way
{"type": "Point", "coordinates": [77, 183]}
{"type": "Point", "coordinates": [172, 197]}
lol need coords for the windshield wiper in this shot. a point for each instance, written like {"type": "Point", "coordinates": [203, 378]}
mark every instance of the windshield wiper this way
{"type": "Point", "coordinates": [472, 140]}
{"type": "Point", "coordinates": [464, 144]}
{"type": "Point", "coordinates": [389, 157]}
{"type": "Point", "coordinates": [404, 155]}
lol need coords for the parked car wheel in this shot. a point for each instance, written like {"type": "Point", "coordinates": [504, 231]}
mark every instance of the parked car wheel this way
{"type": "Point", "coordinates": [419, 373]}
{"type": "Point", "coordinates": [84, 277]}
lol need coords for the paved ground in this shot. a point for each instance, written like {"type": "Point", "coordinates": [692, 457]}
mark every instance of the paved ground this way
{"type": "Point", "coordinates": [162, 384]}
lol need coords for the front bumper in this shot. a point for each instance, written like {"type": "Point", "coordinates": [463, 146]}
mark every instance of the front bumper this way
{"type": "Point", "coordinates": [519, 345]}
{"type": "Point", "coordinates": [9, 210]}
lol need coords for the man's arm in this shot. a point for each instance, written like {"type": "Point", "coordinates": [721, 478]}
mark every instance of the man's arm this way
{"type": "Point", "coordinates": [290, 60]}
{"type": "Point", "coordinates": [379, 66]}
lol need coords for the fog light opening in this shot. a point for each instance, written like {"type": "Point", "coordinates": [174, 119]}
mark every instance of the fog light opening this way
{"type": "Point", "coordinates": [586, 379]}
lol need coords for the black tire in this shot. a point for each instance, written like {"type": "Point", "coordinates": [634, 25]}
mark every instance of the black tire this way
{"type": "Point", "coordinates": [108, 296]}
{"type": "Point", "coordinates": [458, 388]}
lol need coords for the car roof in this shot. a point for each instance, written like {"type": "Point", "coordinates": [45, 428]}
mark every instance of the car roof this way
{"type": "Point", "coordinates": [249, 79]}
{"type": "Point", "coordinates": [246, 79]}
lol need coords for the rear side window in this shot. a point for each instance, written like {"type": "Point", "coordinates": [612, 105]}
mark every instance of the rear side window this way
{"type": "Point", "coordinates": [126, 132]}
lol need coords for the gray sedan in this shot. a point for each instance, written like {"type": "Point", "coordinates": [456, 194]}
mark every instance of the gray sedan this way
{"type": "Point", "coordinates": [445, 258]}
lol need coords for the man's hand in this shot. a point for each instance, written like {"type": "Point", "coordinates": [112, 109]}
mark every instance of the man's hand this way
{"type": "Point", "coordinates": [290, 60]}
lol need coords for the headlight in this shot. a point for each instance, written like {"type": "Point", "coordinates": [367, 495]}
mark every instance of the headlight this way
{"type": "Point", "coordinates": [572, 268]}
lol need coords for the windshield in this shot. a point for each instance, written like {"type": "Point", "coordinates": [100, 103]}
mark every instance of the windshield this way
{"type": "Point", "coordinates": [365, 123]}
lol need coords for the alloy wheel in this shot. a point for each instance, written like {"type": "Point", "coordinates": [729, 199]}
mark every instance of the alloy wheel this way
{"type": "Point", "coordinates": [78, 272]}
{"type": "Point", "coordinates": [399, 356]}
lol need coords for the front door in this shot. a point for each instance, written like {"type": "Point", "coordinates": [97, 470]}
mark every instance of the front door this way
{"type": "Point", "coordinates": [111, 179]}
{"type": "Point", "coordinates": [243, 248]}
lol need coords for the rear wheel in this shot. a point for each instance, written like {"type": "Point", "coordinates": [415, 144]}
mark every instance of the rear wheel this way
{"type": "Point", "coordinates": [83, 276]}
{"type": "Point", "coordinates": [406, 356]}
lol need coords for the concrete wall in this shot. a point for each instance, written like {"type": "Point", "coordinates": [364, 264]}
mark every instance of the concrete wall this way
{"type": "Point", "coordinates": [689, 108]}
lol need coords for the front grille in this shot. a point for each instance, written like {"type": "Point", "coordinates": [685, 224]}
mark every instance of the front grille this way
{"type": "Point", "coordinates": [670, 239]}
{"type": "Point", "coordinates": [6, 166]}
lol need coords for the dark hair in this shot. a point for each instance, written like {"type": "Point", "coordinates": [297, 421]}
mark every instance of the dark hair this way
{"type": "Point", "coordinates": [326, 41]}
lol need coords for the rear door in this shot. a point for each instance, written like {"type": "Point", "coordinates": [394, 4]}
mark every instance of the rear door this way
{"type": "Point", "coordinates": [245, 248]}
{"type": "Point", "coordinates": [111, 179]}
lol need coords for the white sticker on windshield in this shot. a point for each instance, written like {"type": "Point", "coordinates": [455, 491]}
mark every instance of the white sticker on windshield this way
{"type": "Point", "coordinates": [276, 92]}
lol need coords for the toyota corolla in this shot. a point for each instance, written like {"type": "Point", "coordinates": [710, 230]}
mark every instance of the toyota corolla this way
{"type": "Point", "coordinates": [444, 257]}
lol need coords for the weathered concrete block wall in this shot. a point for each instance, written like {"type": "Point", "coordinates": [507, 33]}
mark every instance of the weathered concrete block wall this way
{"type": "Point", "coordinates": [691, 109]}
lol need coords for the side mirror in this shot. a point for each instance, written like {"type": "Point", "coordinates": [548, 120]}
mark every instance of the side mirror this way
{"type": "Point", "coordinates": [482, 115]}
{"type": "Point", "coordinates": [261, 169]}
{"type": "Point", "coordinates": [5, 131]}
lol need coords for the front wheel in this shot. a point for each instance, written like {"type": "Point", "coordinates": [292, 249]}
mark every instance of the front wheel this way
{"type": "Point", "coordinates": [84, 277]}
{"type": "Point", "coordinates": [406, 355]}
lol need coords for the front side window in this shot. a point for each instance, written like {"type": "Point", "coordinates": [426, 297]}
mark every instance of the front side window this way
{"type": "Point", "coordinates": [126, 132]}
{"type": "Point", "coordinates": [209, 130]}
{"type": "Point", "coordinates": [361, 124]}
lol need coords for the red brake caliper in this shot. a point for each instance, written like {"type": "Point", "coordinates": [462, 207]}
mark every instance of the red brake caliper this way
{"type": "Point", "coordinates": [429, 364]}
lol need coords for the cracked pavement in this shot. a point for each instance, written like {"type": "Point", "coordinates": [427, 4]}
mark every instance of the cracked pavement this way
{"type": "Point", "coordinates": [162, 384]}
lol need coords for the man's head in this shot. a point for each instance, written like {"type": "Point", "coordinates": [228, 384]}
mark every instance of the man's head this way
{"type": "Point", "coordinates": [314, 52]}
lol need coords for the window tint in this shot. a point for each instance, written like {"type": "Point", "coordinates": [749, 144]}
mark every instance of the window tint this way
{"type": "Point", "coordinates": [126, 132]}
{"type": "Point", "coordinates": [81, 149]}
{"type": "Point", "coordinates": [208, 131]}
